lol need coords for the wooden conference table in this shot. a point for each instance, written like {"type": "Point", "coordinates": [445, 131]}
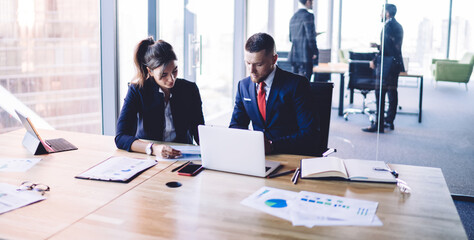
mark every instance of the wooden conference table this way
{"type": "Point", "coordinates": [206, 206]}
{"type": "Point", "coordinates": [342, 68]}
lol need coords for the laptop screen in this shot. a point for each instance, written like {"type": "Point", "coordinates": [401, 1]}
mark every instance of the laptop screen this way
{"type": "Point", "coordinates": [232, 150]}
{"type": "Point", "coordinates": [28, 126]}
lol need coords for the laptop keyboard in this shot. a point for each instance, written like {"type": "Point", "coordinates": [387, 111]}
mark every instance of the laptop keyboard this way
{"type": "Point", "coordinates": [60, 144]}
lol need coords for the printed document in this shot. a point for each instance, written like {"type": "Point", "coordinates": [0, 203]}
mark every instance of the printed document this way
{"type": "Point", "coordinates": [314, 209]}
{"type": "Point", "coordinates": [121, 169]}
{"type": "Point", "coordinates": [11, 199]}
{"type": "Point", "coordinates": [17, 164]}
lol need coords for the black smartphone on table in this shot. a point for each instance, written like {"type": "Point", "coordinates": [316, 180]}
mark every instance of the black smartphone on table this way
{"type": "Point", "coordinates": [190, 169]}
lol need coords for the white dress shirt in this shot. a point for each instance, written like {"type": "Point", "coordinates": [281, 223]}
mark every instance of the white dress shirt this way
{"type": "Point", "coordinates": [169, 133]}
{"type": "Point", "coordinates": [268, 84]}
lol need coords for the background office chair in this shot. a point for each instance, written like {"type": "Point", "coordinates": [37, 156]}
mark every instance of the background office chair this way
{"type": "Point", "coordinates": [283, 63]}
{"type": "Point", "coordinates": [321, 97]}
{"type": "Point", "coordinates": [323, 57]}
{"type": "Point", "coordinates": [454, 70]}
{"type": "Point", "coordinates": [362, 78]}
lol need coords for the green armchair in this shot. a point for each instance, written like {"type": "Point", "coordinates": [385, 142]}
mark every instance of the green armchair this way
{"type": "Point", "coordinates": [454, 70]}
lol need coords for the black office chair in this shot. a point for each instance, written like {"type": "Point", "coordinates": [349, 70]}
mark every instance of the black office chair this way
{"type": "Point", "coordinates": [323, 57]}
{"type": "Point", "coordinates": [361, 78]}
{"type": "Point", "coordinates": [282, 61]}
{"type": "Point", "coordinates": [321, 97]}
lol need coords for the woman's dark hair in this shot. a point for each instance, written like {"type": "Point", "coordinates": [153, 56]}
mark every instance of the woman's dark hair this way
{"type": "Point", "coordinates": [152, 54]}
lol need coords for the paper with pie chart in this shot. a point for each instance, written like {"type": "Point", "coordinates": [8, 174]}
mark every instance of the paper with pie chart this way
{"type": "Point", "coordinates": [273, 201]}
{"type": "Point", "coordinates": [314, 209]}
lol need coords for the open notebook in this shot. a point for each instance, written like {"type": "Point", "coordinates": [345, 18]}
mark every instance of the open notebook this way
{"type": "Point", "coordinates": [346, 169]}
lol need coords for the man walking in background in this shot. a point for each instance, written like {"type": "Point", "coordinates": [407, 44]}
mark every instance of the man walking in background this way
{"type": "Point", "coordinates": [303, 37]}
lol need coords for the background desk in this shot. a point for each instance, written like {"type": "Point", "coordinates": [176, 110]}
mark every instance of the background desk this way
{"type": "Point", "coordinates": [339, 68]}
{"type": "Point", "coordinates": [342, 68]}
{"type": "Point", "coordinates": [207, 206]}
{"type": "Point", "coordinates": [419, 78]}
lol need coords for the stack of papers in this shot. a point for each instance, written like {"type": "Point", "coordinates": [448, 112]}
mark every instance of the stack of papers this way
{"type": "Point", "coordinates": [314, 209]}
{"type": "Point", "coordinates": [11, 199]}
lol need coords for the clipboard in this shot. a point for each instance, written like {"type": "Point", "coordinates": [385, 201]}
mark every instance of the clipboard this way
{"type": "Point", "coordinates": [117, 169]}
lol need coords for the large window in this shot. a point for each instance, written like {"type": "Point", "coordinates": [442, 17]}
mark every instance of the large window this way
{"type": "Point", "coordinates": [425, 35]}
{"type": "Point", "coordinates": [462, 29]}
{"type": "Point", "coordinates": [132, 28]}
{"type": "Point", "coordinates": [283, 13]}
{"type": "Point", "coordinates": [171, 28]}
{"type": "Point", "coordinates": [50, 63]}
{"type": "Point", "coordinates": [214, 35]}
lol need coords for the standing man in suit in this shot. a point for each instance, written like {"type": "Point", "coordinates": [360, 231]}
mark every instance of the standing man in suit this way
{"type": "Point", "coordinates": [276, 101]}
{"type": "Point", "coordinates": [392, 38]}
{"type": "Point", "coordinates": [303, 36]}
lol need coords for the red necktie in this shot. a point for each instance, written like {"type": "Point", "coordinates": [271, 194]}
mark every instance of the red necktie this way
{"type": "Point", "coordinates": [261, 100]}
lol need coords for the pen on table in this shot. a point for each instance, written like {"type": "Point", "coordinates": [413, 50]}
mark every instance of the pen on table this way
{"type": "Point", "coordinates": [281, 174]}
{"type": "Point", "coordinates": [295, 177]}
{"type": "Point", "coordinates": [180, 166]}
{"type": "Point", "coordinates": [393, 172]}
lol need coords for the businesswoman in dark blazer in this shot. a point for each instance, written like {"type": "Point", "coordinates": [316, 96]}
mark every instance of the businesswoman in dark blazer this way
{"type": "Point", "coordinates": [158, 106]}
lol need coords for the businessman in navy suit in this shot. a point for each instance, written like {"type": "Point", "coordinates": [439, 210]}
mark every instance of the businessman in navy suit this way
{"type": "Point", "coordinates": [304, 50]}
{"type": "Point", "coordinates": [276, 101]}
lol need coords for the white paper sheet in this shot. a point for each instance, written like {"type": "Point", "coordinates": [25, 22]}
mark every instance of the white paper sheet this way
{"type": "Point", "coordinates": [310, 206]}
{"type": "Point", "coordinates": [187, 149]}
{"type": "Point", "coordinates": [11, 199]}
{"type": "Point", "coordinates": [189, 153]}
{"type": "Point", "coordinates": [17, 164]}
{"type": "Point", "coordinates": [314, 209]}
{"type": "Point", "coordinates": [183, 157]}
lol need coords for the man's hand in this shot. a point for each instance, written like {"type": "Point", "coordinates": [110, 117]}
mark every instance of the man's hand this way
{"type": "Point", "coordinates": [372, 65]}
{"type": "Point", "coordinates": [374, 45]}
{"type": "Point", "coordinates": [315, 56]}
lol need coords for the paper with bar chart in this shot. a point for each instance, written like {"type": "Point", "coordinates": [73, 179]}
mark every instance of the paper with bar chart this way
{"type": "Point", "coordinates": [314, 209]}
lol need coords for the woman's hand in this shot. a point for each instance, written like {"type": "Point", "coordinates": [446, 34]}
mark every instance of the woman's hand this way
{"type": "Point", "coordinates": [165, 151]}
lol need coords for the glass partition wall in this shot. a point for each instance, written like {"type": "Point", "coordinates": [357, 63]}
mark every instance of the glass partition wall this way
{"type": "Point", "coordinates": [439, 139]}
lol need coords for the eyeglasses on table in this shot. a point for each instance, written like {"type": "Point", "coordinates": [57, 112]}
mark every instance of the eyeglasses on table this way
{"type": "Point", "coordinates": [31, 186]}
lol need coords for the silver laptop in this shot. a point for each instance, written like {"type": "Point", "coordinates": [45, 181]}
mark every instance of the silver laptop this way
{"type": "Point", "coordinates": [234, 150]}
{"type": "Point", "coordinates": [51, 145]}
